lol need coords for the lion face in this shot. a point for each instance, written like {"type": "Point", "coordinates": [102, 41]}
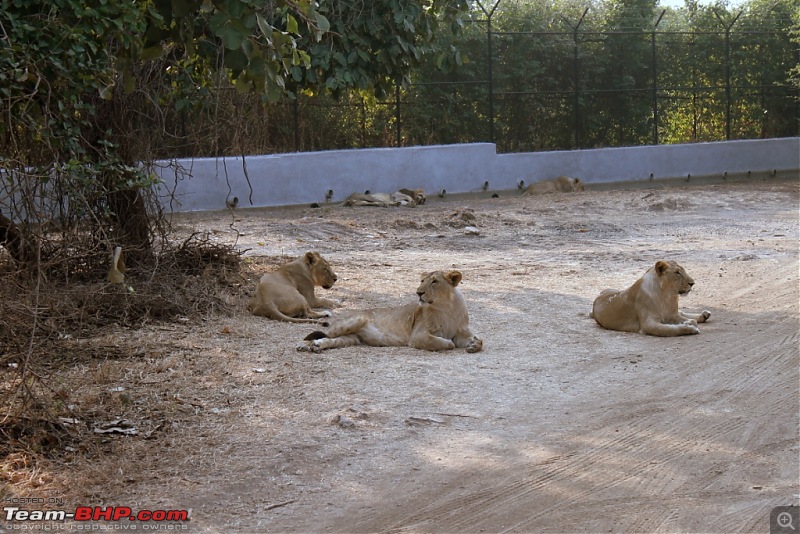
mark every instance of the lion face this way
{"type": "Point", "coordinates": [437, 286]}
{"type": "Point", "coordinates": [674, 277]}
{"type": "Point", "coordinates": [321, 272]}
{"type": "Point", "coordinates": [419, 196]}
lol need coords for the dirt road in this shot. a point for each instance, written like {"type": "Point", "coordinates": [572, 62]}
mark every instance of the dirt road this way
{"type": "Point", "coordinates": [557, 426]}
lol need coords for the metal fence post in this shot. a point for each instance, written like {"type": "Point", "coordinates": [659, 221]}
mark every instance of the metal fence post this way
{"type": "Point", "coordinates": [727, 71]}
{"type": "Point", "coordinates": [397, 112]}
{"type": "Point", "coordinates": [489, 13]}
{"type": "Point", "coordinates": [576, 112]}
{"type": "Point", "coordinates": [655, 78]}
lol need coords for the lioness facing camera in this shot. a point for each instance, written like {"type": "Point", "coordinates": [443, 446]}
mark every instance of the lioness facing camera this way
{"type": "Point", "coordinates": [437, 321]}
{"type": "Point", "coordinates": [288, 293]}
{"type": "Point", "coordinates": [650, 305]}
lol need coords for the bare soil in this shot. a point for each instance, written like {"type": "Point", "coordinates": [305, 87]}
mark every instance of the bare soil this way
{"type": "Point", "coordinates": [557, 426]}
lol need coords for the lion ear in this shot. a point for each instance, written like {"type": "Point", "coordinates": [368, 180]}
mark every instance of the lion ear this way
{"type": "Point", "coordinates": [454, 277]}
{"type": "Point", "coordinates": [661, 267]}
{"type": "Point", "coordinates": [311, 258]}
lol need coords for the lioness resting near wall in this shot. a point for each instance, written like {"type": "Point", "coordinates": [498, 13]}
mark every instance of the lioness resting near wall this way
{"type": "Point", "coordinates": [288, 293]}
{"type": "Point", "coordinates": [404, 197]}
{"type": "Point", "coordinates": [438, 321]}
{"type": "Point", "coordinates": [562, 184]}
{"type": "Point", "coordinates": [650, 305]}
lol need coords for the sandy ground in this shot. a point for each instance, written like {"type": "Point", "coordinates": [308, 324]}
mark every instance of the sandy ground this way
{"type": "Point", "coordinates": [557, 426]}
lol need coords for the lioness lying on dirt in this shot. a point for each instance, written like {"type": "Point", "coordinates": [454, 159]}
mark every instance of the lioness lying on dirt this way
{"type": "Point", "coordinates": [562, 184]}
{"type": "Point", "coordinates": [438, 321]}
{"type": "Point", "coordinates": [403, 197]}
{"type": "Point", "coordinates": [650, 305]}
{"type": "Point", "coordinates": [288, 293]}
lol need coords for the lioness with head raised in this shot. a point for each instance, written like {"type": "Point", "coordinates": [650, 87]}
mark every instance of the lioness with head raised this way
{"type": "Point", "coordinates": [562, 184]}
{"type": "Point", "coordinates": [437, 321]}
{"type": "Point", "coordinates": [650, 305]}
{"type": "Point", "coordinates": [288, 293]}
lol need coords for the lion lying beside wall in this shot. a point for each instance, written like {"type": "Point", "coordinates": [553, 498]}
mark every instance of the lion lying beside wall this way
{"type": "Point", "coordinates": [403, 197]}
{"type": "Point", "coordinates": [562, 184]}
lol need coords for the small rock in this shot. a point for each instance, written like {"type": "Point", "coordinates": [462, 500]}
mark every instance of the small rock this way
{"type": "Point", "coordinates": [342, 421]}
{"type": "Point", "coordinates": [471, 230]}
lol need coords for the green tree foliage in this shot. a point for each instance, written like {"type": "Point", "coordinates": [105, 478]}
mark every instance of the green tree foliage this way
{"type": "Point", "coordinates": [90, 88]}
{"type": "Point", "coordinates": [573, 74]}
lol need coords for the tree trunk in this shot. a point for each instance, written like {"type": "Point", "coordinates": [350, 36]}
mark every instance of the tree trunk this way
{"type": "Point", "coordinates": [12, 238]}
{"type": "Point", "coordinates": [132, 223]}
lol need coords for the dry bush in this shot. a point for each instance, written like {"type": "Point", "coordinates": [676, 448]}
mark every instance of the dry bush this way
{"type": "Point", "coordinates": [48, 324]}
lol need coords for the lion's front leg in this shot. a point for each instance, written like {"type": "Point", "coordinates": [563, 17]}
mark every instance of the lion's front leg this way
{"type": "Point", "coordinates": [655, 328]}
{"type": "Point", "coordinates": [427, 341]}
{"type": "Point", "coordinates": [323, 343]}
{"type": "Point", "coordinates": [317, 302]}
{"type": "Point", "coordinates": [699, 317]}
{"type": "Point", "coordinates": [468, 340]}
{"type": "Point", "coordinates": [315, 314]}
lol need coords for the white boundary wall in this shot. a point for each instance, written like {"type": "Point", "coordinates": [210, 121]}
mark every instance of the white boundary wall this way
{"type": "Point", "coordinates": [299, 178]}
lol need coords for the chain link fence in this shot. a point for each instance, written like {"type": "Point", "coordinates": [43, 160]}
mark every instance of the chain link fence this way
{"type": "Point", "coordinates": [576, 89]}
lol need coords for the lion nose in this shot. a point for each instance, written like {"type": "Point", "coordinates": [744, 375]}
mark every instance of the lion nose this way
{"type": "Point", "coordinates": [691, 283]}
{"type": "Point", "coordinates": [420, 293]}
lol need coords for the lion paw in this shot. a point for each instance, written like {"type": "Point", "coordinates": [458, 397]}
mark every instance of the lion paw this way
{"type": "Point", "coordinates": [476, 345]}
{"type": "Point", "coordinates": [309, 346]}
{"type": "Point", "coordinates": [691, 326]}
{"type": "Point", "coordinates": [705, 315]}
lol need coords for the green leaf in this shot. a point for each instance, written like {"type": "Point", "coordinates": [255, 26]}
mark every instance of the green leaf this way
{"type": "Point", "coordinates": [291, 25]}
{"type": "Point", "coordinates": [322, 23]}
{"type": "Point", "coordinates": [265, 27]}
{"type": "Point", "coordinates": [232, 38]}
{"type": "Point", "coordinates": [243, 85]}
{"type": "Point", "coordinates": [235, 8]}
{"type": "Point", "coordinates": [236, 60]}
{"type": "Point", "coordinates": [107, 92]}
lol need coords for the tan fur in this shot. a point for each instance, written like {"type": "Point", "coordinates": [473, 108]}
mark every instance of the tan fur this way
{"type": "Point", "coordinates": [562, 184]}
{"type": "Point", "coordinates": [650, 305]}
{"type": "Point", "coordinates": [116, 272]}
{"type": "Point", "coordinates": [418, 195]}
{"type": "Point", "coordinates": [438, 321]}
{"type": "Point", "coordinates": [288, 293]}
{"type": "Point", "coordinates": [404, 197]}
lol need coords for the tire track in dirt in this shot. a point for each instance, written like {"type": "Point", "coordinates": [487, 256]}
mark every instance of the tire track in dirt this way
{"type": "Point", "coordinates": [647, 474]}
